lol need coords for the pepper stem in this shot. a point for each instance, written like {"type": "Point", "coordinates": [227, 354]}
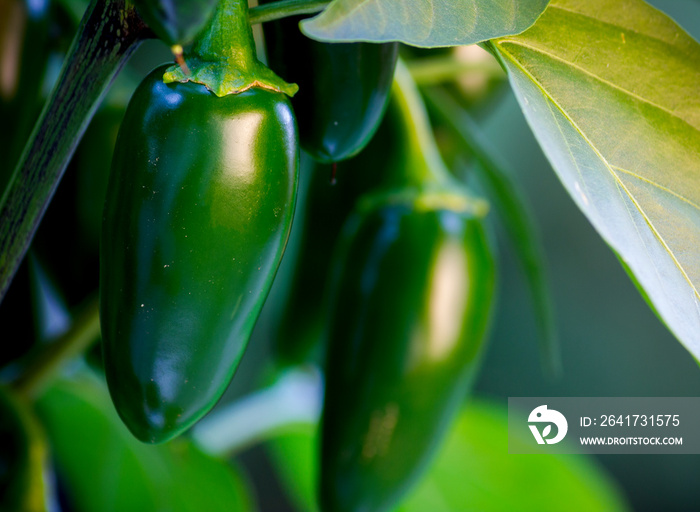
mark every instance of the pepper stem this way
{"type": "Point", "coordinates": [423, 165]}
{"type": "Point", "coordinates": [418, 175]}
{"type": "Point", "coordinates": [223, 58]}
{"type": "Point", "coordinates": [179, 58]}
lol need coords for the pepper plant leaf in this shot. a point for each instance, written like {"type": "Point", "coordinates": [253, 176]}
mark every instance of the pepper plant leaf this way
{"type": "Point", "coordinates": [424, 23]}
{"type": "Point", "coordinates": [611, 89]}
{"type": "Point", "coordinates": [104, 468]}
{"type": "Point", "coordinates": [472, 471]}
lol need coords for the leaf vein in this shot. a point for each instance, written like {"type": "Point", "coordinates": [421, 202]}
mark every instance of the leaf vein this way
{"type": "Point", "coordinates": [519, 65]}
{"type": "Point", "coordinates": [657, 185]}
{"type": "Point", "coordinates": [657, 234]}
{"type": "Point", "coordinates": [601, 79]}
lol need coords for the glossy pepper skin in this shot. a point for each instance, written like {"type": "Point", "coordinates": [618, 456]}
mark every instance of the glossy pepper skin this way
{"type": "Point", "coordinates": [409, 310]}
{"type": "Point", "coordinates": [198, 211]}
{"type": "Point", "coordinates": [176, 21]}
{"type": "Point", "coordinates": [343, 87]}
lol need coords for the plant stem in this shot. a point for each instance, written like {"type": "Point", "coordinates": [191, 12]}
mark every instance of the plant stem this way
{"type": "Point", "coordinates": [423, 164]}
{"type": "Point", "coordinates": [85, 330]}
{"type": "Point", "coordinates": [284, 9]}
{"type": "Point", "coordinates": [109, 33]}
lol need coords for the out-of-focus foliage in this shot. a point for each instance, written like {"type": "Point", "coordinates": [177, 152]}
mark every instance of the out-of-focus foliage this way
{"type": "Point", "coordinates": [22, 456]}
{"type": "Point", "coordinates": [104, 468]}
{"type": "Point", "coordinates": [473, 471]}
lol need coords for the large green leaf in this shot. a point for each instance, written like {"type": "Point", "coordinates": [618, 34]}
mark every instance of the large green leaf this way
{"type": "Point", "coordinates": [294, 455]}
{"type": "Point", "coordinates": [473, 471]}
{"type": "Point", "coordinates": [425, 23]}
{"type": "Point", "coordinates": [611, 89]}
{"type": "Point", "coordinates": [106, 469]}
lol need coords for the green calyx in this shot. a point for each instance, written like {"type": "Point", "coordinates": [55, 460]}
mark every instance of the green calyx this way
{"type": "Point", "coordinates": [223, 58]}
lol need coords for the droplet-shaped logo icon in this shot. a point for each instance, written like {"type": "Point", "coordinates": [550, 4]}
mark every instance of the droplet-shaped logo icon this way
{"type": "Point", "coordinates": [547, 416]}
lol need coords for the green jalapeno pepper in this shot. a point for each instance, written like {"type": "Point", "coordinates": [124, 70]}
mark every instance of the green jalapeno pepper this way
{"type": "Point", "coordinates": [198, 211]}
{"type": "Point", "coordinates": [409, 307]}
{"type": "Point", "coordinates": [343, 87]}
